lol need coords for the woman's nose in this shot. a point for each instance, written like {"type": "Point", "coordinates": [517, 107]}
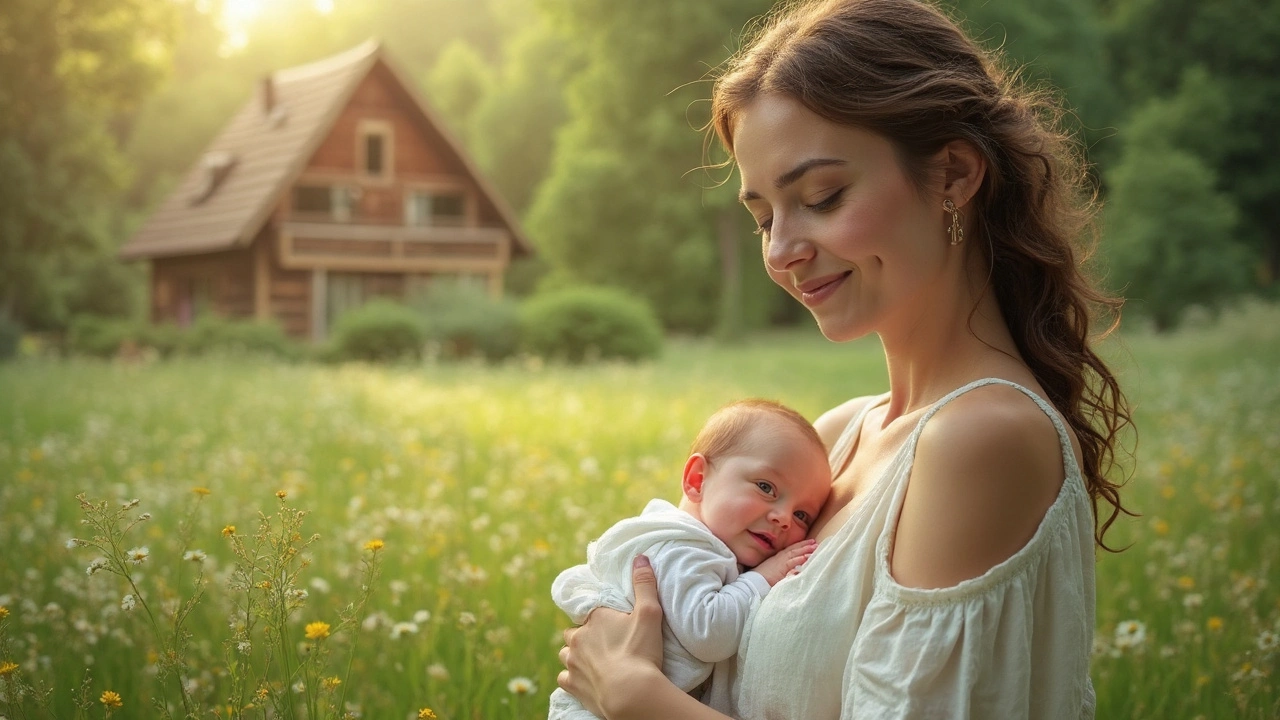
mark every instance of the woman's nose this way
{"type": "Point", "coordinates": [784, 248]}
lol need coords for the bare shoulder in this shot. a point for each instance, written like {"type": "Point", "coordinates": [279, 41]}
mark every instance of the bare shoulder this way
{"type": "Point", "coordinates": [833, 422]}
{"type": "Point", "coordinates": [987, 468]}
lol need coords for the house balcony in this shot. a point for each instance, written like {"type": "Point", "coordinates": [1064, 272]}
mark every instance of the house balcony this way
{"type": "Point", "coordinates": [391, 248]}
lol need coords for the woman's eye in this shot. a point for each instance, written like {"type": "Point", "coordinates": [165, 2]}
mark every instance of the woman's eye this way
{"type": "Point", "coordinates": [765, 486]}
{"type": "Point", "coordinates": [763, 227]}
{"type": "Point", "coordinates": [828, 202]}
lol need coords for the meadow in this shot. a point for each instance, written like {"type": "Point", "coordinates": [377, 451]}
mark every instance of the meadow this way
{"type": "Point", "coordinates": [380, 541]}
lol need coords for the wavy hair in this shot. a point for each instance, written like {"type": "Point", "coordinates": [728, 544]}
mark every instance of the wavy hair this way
{"type": "Point", "coordinates": [903, 70]}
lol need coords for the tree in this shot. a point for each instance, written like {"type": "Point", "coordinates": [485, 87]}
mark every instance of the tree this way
{"type": "Point", "coordinates": [68, 72]}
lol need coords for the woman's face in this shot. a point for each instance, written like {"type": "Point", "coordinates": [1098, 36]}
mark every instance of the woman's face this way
{"type": "Point", "coordinates": [844, 230]}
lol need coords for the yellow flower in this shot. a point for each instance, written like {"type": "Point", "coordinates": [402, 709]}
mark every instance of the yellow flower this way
{"type": "Point", "coordinates": [200, 490]}
{"type": "Point", "coordinates": [111, 699]}
{"type": "Point", "coordinates": [1186, 582]}
{"type": "Point", "coordinates": [1214, 623]}
{"type": "Point", "coordinates": [1162, 527]}
{"type": "Point", "coordinates": [317, 630]}
{"type": "Point", "coordinates": [7, 668]}
{"type": "Point", "coordinates": [330, 683]}
{"type": "Point", "coordinates": [281, 494]}
{"type": "Point", "coordinates": [4, 612]}
{"type": "Point", "coordinates": [375, 545]}
{"type": "Point", "coordinates": [1168, 491]}
{"type": "Point", "coordinates": [228, 531]}
{"type": "Point", "coordinates": [426, 714]}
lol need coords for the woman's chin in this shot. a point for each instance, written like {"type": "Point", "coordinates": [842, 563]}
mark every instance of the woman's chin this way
{"type": "Point", "coordinates": [838, 331]}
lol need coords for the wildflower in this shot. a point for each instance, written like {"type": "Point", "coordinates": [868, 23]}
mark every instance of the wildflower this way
{"type": "Point", "coordinates": [426, 714]}
{"type": "Point", "coordinates": [144, 517]}
{"type": "Point", "coordinates": [1186, 582]}
{"type": "Point", "coordinates": [320, 585]}
{"type": "Point", "coordinates": [297, 595]}
{"type": "Point", "coordinates": [403, 628]}
{"type": "Point", "coordinates": [438, 672]}
{"type": "Point", "coordinates": [422, 616]}
{"type": "Point", "coordinates": [1161, 527]}
{"type": "Point", "coordinates": [95, 565]}
{"type": "Point", "coordinates": [466, 618]}
{"type": "Point", "coordinates": [128, 602]}
{"type": "Point", "coordinates": [194, 556]}
{"type": "Point", "coordinates": [111, 698]}
{"type": "Point", "coordinates": [228, 531]}
{"type": "Point", "coordinates": [300, 687]}
{"type": "Point", "coordinates": [1192, 601]}
{"type": "Point", "coordinates": [138, 555]}
{"type": "Point", "coordinates": [1214, 623]}
{"type": "Point", "coordinates": [244, 646]}
{"type": "Point", "coordinates": [202, 491]}
{"type": "Point", "coordinates": [1130, 633]}
{"type": "Point", "coordinates": [7, 668]}
{"type": "Point", "coordinates": [282, 494]}
{"type": "Point", "coordinates": [317, 630]}
{"type": "Point", "coordinates": [521, 686]}
{"type": "Point", "coordinates": [375, 545]}
{"type": "Point", "coordinates": [4, 612]}
{"type": "Point", "coordinates": [130, 504]}
{"type": "Point", "coordinates": [330, 683]}
{"type": "Point", "coordinates": [73, 543]}
{"type": "Point", "coordinates": [1268, 641]}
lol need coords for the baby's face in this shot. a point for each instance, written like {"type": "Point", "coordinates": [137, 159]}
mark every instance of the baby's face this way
{"type": "Point", "coordinates": [765, 496]}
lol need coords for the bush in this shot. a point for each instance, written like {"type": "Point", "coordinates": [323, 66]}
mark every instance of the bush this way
{"type": "Point", "coordinates": [210, 334]}
{"type": "Point", "coordinates": [463, 320]}
{"type": "Point", "coordinates": [10, 336]}
{"type": "Point", "coordinates": [380, 330]}
{"type": "Point", "coordinates": [101, 337]}
{"type": "Point", "coordinates": [582, 323]}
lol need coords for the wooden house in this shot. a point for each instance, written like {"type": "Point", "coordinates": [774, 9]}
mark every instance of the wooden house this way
{"type": "Point", "coordinates": [335, 183]}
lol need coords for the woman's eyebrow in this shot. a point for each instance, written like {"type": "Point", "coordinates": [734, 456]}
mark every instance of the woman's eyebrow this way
{"type": "Point", "coordinates": [791, 176]}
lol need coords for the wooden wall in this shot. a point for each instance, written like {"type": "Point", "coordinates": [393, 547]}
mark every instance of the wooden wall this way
{"type": "Point", "coordinates": [225, 279]}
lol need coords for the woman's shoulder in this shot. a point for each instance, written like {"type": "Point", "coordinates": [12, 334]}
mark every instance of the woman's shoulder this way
{"type": "Point", "coordinates": [832, 423]}
{"type": "Point", "coordinates": [987, 468]}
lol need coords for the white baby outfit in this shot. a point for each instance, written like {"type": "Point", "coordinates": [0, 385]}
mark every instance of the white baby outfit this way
{"type": "Point", "coordinates": [705, 600]}
{"type": "Point", "coordinates": [843, 640]}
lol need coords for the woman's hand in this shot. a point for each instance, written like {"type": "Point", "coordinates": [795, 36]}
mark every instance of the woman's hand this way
{"type": "Point", "coordinates": [608, 658]}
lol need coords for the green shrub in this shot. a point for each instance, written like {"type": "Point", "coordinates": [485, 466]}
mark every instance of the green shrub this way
{"type": "Point", "coordinates": [100, 337]}
{"type": "Point", "coordinates": [10, 336]}
{"type": "Point", "coordinates": [214, 334]}
{"type": "Point", "coordinates": [583, 323]}
{"type": "Point", "coordinates": [463, 321]}
{"type": "Point", "coordinates": [380, 330]}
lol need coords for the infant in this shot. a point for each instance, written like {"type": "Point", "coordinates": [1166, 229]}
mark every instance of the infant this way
{"type": "Point", "coordinates": [756, 477]}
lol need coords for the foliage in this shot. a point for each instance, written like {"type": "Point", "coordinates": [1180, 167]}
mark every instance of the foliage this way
{"type": "Point", "coordinates": [1171, 233]}
{"type": "Point", "coordinates": [10, 337]}
{"type": "Point", "coordinates": [99, 337]}
{"type": "Point", "coordinates": [462, 320]}
{"type": "Point", "coordinates": [379, 330]}
{"type": "Point", "coordinates": [585, 323]}
{"type": "Point", "coordinates": [107, 337]}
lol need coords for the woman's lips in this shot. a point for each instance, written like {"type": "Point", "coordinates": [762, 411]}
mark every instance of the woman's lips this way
{"type": "Point", "coordinates": [814, 295]}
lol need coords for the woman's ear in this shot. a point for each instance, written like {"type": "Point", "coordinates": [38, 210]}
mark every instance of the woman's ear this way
{"type": "Point", "coordinates": [963, 171]}
{"type": "Point", "coordinates": [695, 472]}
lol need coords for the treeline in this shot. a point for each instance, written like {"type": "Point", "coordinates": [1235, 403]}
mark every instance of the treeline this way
{"type": "Point", "coordinates": [587, 116]}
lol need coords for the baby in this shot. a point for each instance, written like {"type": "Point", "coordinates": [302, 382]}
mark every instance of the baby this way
{"type": "Point", "coordinates": [756, 477]}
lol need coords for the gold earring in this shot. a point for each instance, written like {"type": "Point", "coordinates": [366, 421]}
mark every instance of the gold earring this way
{"type": "Point", "coordinates": [956, 229]}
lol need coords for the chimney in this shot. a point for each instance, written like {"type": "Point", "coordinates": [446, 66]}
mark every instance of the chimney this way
{"type": "Point", "coordinates": [268, 95]}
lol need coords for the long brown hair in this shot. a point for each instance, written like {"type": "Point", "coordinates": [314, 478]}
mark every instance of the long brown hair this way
{"type": "Point", "coordinates": [902, 69]}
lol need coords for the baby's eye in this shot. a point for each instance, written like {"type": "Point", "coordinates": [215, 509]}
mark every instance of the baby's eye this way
{"type": "Point", "coordinates": [765, 485]}
{"type": "Point", "coordinates": [802, 516]}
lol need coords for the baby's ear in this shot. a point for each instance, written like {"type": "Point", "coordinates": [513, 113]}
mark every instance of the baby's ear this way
{"type": "Point", "coordinates": [695, 472]}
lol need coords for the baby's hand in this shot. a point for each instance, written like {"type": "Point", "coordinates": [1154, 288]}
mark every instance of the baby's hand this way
{"type": "Point", "coordinates": [787, 561]}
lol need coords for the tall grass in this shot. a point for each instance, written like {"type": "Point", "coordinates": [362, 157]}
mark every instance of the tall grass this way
{"type": "Point", "coordinates": [481, 483]}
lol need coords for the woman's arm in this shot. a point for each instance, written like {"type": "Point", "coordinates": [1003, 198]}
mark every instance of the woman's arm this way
{"type": "Point", "coordinates": [613, 663]}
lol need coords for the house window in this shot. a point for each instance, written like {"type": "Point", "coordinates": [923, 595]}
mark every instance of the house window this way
{"type": "Point", "coordinates": [447, 208]}
{"type": "Point", "coordinates": [374, 149]}
{"type": "Point", "coordinates": [334, 202]}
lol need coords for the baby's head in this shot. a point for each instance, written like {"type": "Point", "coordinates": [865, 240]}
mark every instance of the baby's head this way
{"type": "Point", "coordinates": [757, 476]}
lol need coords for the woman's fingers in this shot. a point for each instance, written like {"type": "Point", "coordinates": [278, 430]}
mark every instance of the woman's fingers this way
{"type": "Point", "coordinates": [646, 589]}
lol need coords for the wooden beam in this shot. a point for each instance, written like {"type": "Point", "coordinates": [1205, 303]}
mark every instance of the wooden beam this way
{"type": "Point", "coordinates": [262, 279]}
{"type": "Point", "coordinates": [319, 305]}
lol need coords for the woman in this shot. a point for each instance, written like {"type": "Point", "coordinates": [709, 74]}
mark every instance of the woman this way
{"type": "Point", "coordinates": [904, 187]}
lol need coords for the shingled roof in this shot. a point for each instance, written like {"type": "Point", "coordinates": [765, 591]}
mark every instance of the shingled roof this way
{"type": "Point", "coordinates": [260, 157]}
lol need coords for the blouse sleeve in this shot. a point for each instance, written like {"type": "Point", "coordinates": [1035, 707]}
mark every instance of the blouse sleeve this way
{"type": "Point", "coordinates": [942, 654]}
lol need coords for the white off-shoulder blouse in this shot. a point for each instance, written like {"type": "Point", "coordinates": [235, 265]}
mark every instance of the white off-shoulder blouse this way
{"type": "Point", "coordinates": [843, 640]}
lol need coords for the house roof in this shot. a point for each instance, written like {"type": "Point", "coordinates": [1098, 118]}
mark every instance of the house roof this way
{"type": "Point", "coordinates": [259, 155]}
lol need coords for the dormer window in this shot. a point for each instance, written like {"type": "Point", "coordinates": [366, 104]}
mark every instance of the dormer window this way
{"type": "Point", "coordinates": [214, 168]}
{"type": "Point", "coordinates": [374, 149]}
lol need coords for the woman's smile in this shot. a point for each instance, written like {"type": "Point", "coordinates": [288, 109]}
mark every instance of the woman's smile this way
{"type": "Point", "coordinates": [814, 292]}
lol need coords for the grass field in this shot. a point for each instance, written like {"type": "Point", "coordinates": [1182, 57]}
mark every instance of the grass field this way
{"type": "Point", "coordinates": [482, 483]}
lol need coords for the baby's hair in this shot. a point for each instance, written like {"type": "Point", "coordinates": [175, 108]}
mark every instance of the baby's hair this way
{"type": "Point", "coordinates": [727, 429]}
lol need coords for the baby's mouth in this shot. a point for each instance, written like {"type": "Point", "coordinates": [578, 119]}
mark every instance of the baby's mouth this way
{"type": "Point", "coordinates": [762, 539]}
